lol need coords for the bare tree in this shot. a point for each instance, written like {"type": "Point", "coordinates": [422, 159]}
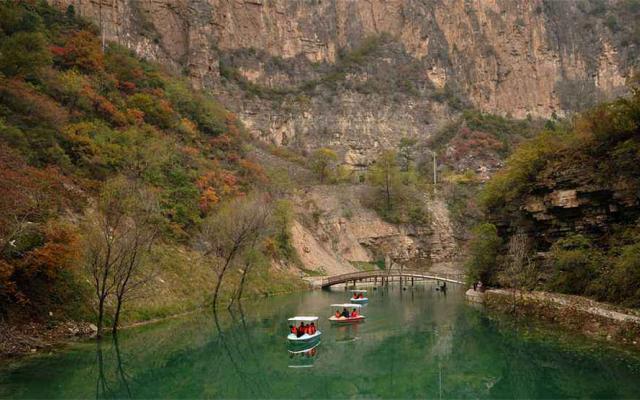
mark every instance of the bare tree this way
{"type": "Point", "coordinates": [229, 232]}
{"type": "Point", "coordinates": [118, 232]}
{"type": "Point", "coordinates": [129, 274]}
{"type": "Point", "coordinates": [250, 259]}
{"type": "Point", "coordinates": [517, 273]}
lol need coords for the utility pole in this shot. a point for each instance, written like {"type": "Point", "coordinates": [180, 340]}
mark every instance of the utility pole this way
{"type": "Point", "coordinates": [434, 168]}
{"type": "Point", "coordinates": [101, 26]}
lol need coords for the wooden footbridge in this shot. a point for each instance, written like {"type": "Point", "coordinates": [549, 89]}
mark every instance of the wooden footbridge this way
{"type": "Point", "coordinates": [384, 277]}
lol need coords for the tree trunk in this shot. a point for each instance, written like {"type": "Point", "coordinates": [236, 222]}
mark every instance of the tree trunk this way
{"type": "Point", "coordinates": [217, 289]}
{"type": "Point", "coordinates": [100, 321]}
{"type": "Point", "coordinates": [242, 280]}
{"type": "Point", "coordinates": [116, 316]}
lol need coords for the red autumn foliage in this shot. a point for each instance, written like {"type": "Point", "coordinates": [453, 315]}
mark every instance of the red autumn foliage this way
{"type": "Point", "coordinates": [104, 107]}
{"type": "Point", "coordinates": [31, 196]}
{"type": "Point", "coordinates": [468, 143]}
{"type": "Point", "coordinates": [23, 99]}
{"type": "Point", "coordinates": [135, 116]}
{"type": "Point", "coordinates": [58, 253]}
{"type": "Point", "coordinates": [82, 50]}
{"type": "Point", "coordinates": [252, 171]}
{"type": "Point", "coordinates": [222, 142]}
{"type": "Point", "coordinates": [28, 194]}
{"type": "Point", "coordinates": [215, 184]}
{"type": "Point", "coordinates": [127, 87]}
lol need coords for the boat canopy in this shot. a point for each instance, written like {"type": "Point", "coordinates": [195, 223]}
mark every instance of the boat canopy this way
{"type": "Point", "coordinates": [303, 319]}
{"type": "Point", "coordinates": [347, 305]}
{"type": "Point", "coordinates": [359, 291]}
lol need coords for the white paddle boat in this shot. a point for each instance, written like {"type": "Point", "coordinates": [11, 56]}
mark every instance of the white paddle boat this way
{"type": "Point", "coordinates": [346, 320]}
{"type": "Point", "coordinates": [306, 338]}
{"type": "Point", "coordinates": [359, 296]}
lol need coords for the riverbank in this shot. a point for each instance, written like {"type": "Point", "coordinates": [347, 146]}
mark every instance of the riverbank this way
{"type": "Point", "coordinates": [597, 320]}
{"type": "Point", "coordinates": [34, 337]}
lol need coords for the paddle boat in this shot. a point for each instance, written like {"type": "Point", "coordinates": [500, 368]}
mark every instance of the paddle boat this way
{"type": "Point", "coordinates": [359, 296]}
{"type": "Point", "coordinates": [306, 339]}
{"type": "Point", "coordinates": [346, 320]}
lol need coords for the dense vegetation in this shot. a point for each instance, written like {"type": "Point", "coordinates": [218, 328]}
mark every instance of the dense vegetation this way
{"type": "Point", "coordinates": [74, 116]}
{"type": "Point", "coordinates": [469, 149]}
{"type": "Point", "coordinates": [599, 149]}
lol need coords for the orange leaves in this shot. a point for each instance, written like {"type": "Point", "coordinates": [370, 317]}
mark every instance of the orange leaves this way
{"type": "Point", "coordinates": [135, 116]}
{"type": "Point", "coordinates": [216, 184]}
{"type": "Point", "coordinates": [127, 87]}
{"type": "Point", "coordinates": [471, 143]}
{"type": "Point", "coordinates": [27, 192]}
{"type": "Point", "coordinates": [7, 286]}
{"type": "Point", "coordinates": [252, 170]}
{"type": "Point", "coordinates": [222, 142]}
{"type": "Point", "coordinates": [59, 252]}
{"type": "Point", "coordinates": [208, 199]}
{"type": "Point", "coordinates": [22, 98]}
{"type": "Point", "coordinates": [81, 50]}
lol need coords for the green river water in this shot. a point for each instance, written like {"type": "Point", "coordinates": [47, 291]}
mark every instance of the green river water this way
{"type": "Point", "coordinates": [415, 343]}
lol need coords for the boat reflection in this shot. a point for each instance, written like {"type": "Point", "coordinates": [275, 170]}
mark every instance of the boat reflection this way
{"type": "Point", "coordinates": [304, 358]}
{"type": "Point", "coordinates": [347, 333]}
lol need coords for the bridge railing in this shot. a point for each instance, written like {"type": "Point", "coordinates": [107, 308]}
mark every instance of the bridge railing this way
{"type": "Point", "coordinates": [332, 280]}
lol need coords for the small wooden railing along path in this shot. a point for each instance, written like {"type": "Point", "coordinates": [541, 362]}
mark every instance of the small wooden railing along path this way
{"type": "Point", "coordinates": [385, 276]}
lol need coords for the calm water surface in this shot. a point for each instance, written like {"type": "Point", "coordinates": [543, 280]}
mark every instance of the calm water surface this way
{"type": "Point", "coordinates": [415, 343]}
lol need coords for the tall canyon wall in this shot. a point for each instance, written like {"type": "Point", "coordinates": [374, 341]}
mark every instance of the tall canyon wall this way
{"type": "Point", "coordinates": [360, 75]}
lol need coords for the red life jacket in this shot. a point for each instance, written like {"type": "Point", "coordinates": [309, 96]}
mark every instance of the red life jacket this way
{"type": "Point", "coordinates": [294, 330]}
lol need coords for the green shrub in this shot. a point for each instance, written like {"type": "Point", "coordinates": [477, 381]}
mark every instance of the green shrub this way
{"type": "Point", "coordinates": [156, 111]}
{"type": "Point", "coordinates": [483, 254]}
{"type": "Point", "coordinates": [24, 54]}
{"type": "Point", "coordinates": [575, 263]}
{"type": "Point", "coordinates": [625, 277]}
{"type": "Point", "coordinates": [520, 170]}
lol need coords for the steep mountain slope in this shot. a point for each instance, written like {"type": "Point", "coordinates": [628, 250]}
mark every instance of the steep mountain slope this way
{"type": "Point", "coordinates": [359, 75]}
{"type": "Point", "coordinates": [78, 120]}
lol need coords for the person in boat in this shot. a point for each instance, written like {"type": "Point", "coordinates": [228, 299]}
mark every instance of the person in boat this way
{"type": "Point", "coordinates": [293, 329]}
{"type": "Point", "coordinates": [354, 313]}
{"type": "Point", "coordinates": [302, 329]}
{"type": "Point", "coordinates": [345, 313]}
{"type": "Point", "coordinates": [312, 329]}
{"type": "Point", "coordinates": [338, 314]}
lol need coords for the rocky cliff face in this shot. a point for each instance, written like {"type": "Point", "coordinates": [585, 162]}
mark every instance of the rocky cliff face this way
{"type": "Point", "coordinates": [570, 200]}
{"type": "Point", "coordinates": [360, 75]}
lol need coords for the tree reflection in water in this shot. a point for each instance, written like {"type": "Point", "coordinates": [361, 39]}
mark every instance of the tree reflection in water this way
{"type": "Point", "coordinates": [239, 346]}
{"type": "Point", "coordinates": [112, 381]}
